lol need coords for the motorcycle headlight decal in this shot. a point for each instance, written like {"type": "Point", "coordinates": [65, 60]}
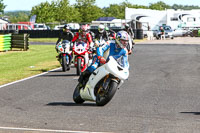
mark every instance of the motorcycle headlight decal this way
{"type": "Point", "coordinates": [61, 49]}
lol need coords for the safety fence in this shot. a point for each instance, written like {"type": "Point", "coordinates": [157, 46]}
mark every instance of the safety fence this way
{"type": "Point", "coordinates": [14, 41]}
{"type": "Point", "coordinates": [5, 42]}
{"type": "Point", "coordinates": [138, 33]}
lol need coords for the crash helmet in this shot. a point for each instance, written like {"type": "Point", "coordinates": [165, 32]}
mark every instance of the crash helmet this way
{"type": "Point", "coordinates": [84, 28]}
{"type": "Point", "coordinates": [101, 28]}
{"type": "Point", "coordinates": [127, 26]}
{"type": "Point", "coordinates": [66, 27]}
{"type": "Point", "coordinates": [122, 39]}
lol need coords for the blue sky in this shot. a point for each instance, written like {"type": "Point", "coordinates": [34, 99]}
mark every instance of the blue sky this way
{"type": "Point", "coordinates": [28, 4]}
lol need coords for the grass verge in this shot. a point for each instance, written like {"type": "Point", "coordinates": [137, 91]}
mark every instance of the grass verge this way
{"type": "Point", "coordinates": [16, 65]}
{"type": "Point", "coordinates": [43, 40]}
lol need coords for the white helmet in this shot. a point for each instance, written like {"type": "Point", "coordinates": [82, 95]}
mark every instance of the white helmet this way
{"type": "Point", "coordinates": [127, 26]}
{"type": "Point", "coordinates": [122, 39]}
{"type": "Point", "coordinates": [101, 28]}
{"type": "Point", "coordinates": [66, 27]}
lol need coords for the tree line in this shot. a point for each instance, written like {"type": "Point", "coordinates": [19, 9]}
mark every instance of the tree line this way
{"type": "Point", "coordinates": [83, 11]}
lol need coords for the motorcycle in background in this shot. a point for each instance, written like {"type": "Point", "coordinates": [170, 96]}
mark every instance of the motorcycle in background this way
{"type": "Point", "coordinates": [81, 56]}
{"type": "Point", "coordinates": [102, 83]}
{"type": "Point", "coordinates": [65, 55]}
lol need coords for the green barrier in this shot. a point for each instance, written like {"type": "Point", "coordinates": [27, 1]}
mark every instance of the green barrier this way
{"type": "Point", "coordinates": [5, 42]}
{"type": "Point", "coordinates": [198, 32]}
{"type": "Point", "coordinates": [10, 41]}
{"type": "Point", "coordinates": [5, 35]}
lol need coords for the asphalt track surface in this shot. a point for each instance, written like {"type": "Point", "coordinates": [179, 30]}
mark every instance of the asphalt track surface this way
{"type": "Point", "coordinates": [162, 95]}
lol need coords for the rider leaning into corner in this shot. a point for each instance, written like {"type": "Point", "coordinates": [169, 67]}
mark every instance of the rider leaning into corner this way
{"type": "Point", "coordinates": [84, 35]}
{"type": "Point", "coordinates": [116, 48]}
{"type": "Point", "coordinates": [129, 30]}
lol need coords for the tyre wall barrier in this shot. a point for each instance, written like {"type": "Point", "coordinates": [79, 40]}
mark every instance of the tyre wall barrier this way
{"type": "Point", "coordinates": [20, 41]}
{"type": "Point", "coordinates": [10, 41]}
{"type": "Point", "coordinates": [140, 34]}
{"type": "Point", "coordinates": [5, 42]}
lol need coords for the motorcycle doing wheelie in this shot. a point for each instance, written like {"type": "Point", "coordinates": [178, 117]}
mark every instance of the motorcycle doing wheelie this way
{"type": "Point", "coordinates": [65, 55]}
{"type": "Point", "coordinates": [81, 56]}
{"type": "Point", "coordinates": [102, 83]}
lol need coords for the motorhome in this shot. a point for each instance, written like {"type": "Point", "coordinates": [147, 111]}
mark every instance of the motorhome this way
{"type": "Point", "coordinates": [176, 19]}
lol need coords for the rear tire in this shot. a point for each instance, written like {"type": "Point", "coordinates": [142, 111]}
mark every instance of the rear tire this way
{"type": "Point", "coordinates": [102, 100]}
{"type": "Point", "coordinates": [76, 96]}
{"type": "Point", "coordinates": [78, 69]}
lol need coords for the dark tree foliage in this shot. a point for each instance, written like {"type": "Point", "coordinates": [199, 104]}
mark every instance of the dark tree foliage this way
{"type": "Point", "coordinates": [2, 7]}
{"type": "Point", "coordinates": [185, 7]}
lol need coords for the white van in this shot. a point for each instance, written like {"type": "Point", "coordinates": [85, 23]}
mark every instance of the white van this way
{"type": "Point", "coordinates": [58, 27]}
{"type": "Point", "coordinates": [74, 26]}
{"type": "Point", "coordinates": [40, 26]}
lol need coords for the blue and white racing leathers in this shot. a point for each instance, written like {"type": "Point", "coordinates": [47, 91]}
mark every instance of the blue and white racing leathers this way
{"type": "Point", "coordinates": [113, 51]}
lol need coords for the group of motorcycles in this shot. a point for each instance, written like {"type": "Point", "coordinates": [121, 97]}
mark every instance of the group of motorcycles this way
{"type": "Point", "coordinates": [102, 83]}
{"type": "Point", "coordinates": [80, 56]}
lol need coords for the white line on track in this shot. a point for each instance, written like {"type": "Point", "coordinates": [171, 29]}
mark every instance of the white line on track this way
{"type": "Point", "coordinates": [40, 130]}
{"type": "Point", "coordinates": [46, 130]}
{"type": "Point", "coordinates": [28, 78]}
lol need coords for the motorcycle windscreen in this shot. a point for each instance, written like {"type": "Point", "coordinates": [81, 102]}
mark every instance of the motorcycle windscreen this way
{"type": "Point", "coordinates": [121, 61]}
{"type": "Point", "coordinates": [65, 41]}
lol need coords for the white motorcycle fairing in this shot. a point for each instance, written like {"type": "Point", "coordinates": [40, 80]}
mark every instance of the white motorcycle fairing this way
{"type": "Point", "coordinates": [64, 47]}
{"type": "Point", "coordinates": [111, 67]}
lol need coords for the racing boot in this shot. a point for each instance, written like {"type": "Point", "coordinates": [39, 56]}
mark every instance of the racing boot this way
{"type": "Point", "coordinates": [84, 77]}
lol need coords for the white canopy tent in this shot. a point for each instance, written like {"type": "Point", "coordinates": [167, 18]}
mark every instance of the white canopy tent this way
{"type": "Point", "coordinates": [3, 24]}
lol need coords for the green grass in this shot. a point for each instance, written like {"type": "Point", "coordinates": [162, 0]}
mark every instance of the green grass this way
{"type": "Point", "coordinates": [15, 65]}
{"type": "Point", "coordinates": [43, 40]}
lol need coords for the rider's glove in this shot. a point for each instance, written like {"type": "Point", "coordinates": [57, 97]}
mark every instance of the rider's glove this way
{"type": "Point", "coordinates": [91, 49]}
{"type": "Point", "coordinates": [96, 44]}
{"type": "Point", "coordinates": [102, 59]}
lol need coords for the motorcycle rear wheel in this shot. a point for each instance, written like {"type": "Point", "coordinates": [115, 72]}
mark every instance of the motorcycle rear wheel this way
{"type": "Point", "coordinates": [76, 95]}
{"type": "Point", "coordinates": [103, 99]}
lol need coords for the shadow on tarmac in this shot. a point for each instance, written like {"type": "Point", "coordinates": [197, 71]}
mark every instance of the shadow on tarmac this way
{"type": "Point", "coordinates": [58, 75]}
{"type": "Point", "coordinates": [70, 104]}
{"type": "Point", "coordinates": [194, 113]}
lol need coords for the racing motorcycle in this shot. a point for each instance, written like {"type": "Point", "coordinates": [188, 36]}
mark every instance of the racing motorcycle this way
{"type": "Point", "coordinates": [65, 55]}
{"type": "Point", "coordinates": [102, 83]}
{"type": "Point", "coordinates": [81, 56]}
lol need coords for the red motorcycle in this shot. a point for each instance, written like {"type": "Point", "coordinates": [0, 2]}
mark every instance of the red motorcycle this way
{"type": "Point", "coordinates": [81, 56]}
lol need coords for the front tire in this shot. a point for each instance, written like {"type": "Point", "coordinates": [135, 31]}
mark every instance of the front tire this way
{"type": "Point", "coordinates": [78, 69]}
{"type": "Point", "coordinates": [64, 63]}
{"type": "Point", "coordinates": [76, 96]}
{"type": "Point", "coordinates": [102, 100]}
